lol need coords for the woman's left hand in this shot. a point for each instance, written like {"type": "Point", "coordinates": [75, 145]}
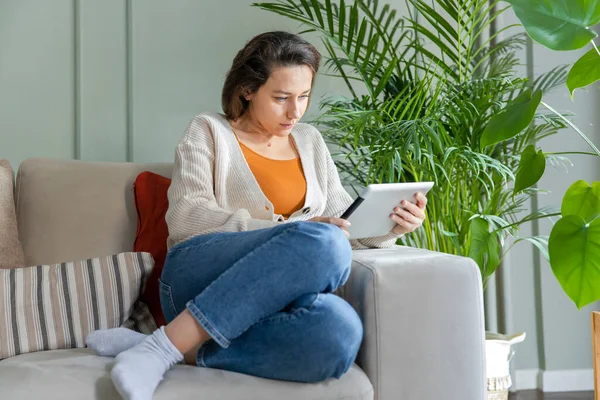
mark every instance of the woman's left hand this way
{"type": "Point", "coordinates": [411, 217]}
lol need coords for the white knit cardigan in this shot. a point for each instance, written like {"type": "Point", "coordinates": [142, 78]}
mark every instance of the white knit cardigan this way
{"type": "Point", "coordinates": [214, 190]}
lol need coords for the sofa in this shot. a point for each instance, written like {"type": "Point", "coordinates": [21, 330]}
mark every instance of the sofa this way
{"type": "Point", "coordinates": [422, 311]}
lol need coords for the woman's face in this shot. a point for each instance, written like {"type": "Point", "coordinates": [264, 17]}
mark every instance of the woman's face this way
{"type": "Point", "coordinates": [282, 100]}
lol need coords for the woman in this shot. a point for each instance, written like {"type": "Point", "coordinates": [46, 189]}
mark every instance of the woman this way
{"type": "Point", "coordinates": [256, 248]}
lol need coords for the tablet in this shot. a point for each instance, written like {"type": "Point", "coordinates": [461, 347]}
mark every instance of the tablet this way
{"type": "Point", "coordinates": [370, 213]}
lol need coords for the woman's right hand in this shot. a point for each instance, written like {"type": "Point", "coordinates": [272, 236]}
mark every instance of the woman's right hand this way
{"type": "Point", "coordinates": [341, 223]}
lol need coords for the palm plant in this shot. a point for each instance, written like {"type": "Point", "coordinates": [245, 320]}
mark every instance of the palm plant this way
{"type": "Point", "coordinates": [434, 95]}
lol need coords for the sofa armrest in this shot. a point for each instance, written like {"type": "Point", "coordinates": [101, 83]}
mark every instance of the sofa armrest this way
{"type": "Point", "coordinates": [422, 312]}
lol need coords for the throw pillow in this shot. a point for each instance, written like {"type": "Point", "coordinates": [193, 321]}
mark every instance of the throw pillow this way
{"type": "Point", "coordinates": [50, 307]}
{"type": "Point", "coordinates": [151, 203]}
{"type": "Point", "coordinates": [141, 319]}
{"type": "Point", "coordinates": [11, 251]}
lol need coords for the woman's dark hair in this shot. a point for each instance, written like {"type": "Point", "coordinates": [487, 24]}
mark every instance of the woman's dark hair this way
{"type": "Point", "coordinates": [253, 64]}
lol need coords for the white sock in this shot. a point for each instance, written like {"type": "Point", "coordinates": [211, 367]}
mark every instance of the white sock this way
{"type": "Point", "coordinates": [111, 342]}
{"type": "Point", "coordinates": [139, 370]}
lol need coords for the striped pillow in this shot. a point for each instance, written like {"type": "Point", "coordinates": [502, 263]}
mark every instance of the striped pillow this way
{"type": "Point", "coordinates": [50, 307]}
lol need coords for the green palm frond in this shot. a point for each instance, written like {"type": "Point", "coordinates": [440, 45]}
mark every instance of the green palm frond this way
{"type": "Point", "coordinates": [502, 66]}
{"type": "Point", "coordinates": [552, 79]}
{"type": "Point", "coordinates": [367, 38]}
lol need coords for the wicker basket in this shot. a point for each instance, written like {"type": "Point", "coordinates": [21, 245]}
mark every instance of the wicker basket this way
{"type": "Point", "coordinates": [497, 395]}
{"type": "Point", "coordinates": [497, 388]}
{"type": "Point", "coordinates": [499, 351]}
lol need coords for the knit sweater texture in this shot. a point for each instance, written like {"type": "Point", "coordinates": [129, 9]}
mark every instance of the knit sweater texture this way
{"type": "Point", "coordinates": [214, 190]}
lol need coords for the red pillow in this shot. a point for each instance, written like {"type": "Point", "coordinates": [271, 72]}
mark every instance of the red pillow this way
{"type": "Point", "coordinates": [151, 203]}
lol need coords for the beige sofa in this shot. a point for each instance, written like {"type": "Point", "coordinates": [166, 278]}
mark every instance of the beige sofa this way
{"type": "Point", "coordinates": [422, 311]}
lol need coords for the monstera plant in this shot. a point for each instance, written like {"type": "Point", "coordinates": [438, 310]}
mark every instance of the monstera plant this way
{"type": "Point", "coordinates": [435, 95]}
{"type": "Point", "coordinates": [574, 245]}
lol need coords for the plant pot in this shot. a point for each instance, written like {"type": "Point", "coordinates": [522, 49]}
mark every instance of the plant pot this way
{"type": "Point", "coordinates": [499, 351]}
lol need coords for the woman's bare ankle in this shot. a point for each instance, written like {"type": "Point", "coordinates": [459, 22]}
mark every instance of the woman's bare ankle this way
{"type": "Point", "coordinates": [191, 357]}
{"type": "Point", "coordinates": [186, 333]}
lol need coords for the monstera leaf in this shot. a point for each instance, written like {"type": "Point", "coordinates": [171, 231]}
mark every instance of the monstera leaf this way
{"type": "Point", "coordinates": [585, 71]}
{"type": "Point", "coordinates": [559, 24]}
{"type": "Point", "coordinates": [574, 248]}
{"type": "Point", "coordinates": [574, 244]}
{"type": "Point", "coordinates": [582, 200]}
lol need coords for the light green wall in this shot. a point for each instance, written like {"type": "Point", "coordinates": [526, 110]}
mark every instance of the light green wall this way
{"type": "Point", "coordinates": [101, 79]}
{"type": "Point", "coordinates": [36, 79]}
{"type": "Point", "coordinates": [118, 80]}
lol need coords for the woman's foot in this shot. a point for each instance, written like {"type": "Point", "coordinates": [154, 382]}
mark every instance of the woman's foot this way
{"type": "Point", "coordinates": [139, 370]}
{"type": "Point", "coordinates": [111, 342]}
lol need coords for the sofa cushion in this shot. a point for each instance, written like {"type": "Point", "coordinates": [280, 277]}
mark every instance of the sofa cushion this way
{"type": "Point", "coordinates": [11, 252]}
{"type": "Point", "coordinates": [79, 374]}
{"type": "Point", "coordinates": [151, 202]}
{"type": "Point", "coordinates": [55, 306]}
{"type": "Point", "coordinates": [74, 210]}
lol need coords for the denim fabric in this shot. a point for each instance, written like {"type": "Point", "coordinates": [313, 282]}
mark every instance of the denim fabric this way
{"type": "Point", "coordinates": [265, 297]}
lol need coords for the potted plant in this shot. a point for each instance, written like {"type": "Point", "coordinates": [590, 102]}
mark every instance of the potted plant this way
{"type": "Point", "coordinates": [434, 95]}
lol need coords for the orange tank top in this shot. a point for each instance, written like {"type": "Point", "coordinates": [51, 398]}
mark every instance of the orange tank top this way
{"type": "Point", "coordinates": [282, 181]}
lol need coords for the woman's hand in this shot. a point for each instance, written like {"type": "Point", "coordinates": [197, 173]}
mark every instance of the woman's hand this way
{"type": "Point", "coordinates": [342, 223]}
{"type": "Point", "coordinates": [411, 217]}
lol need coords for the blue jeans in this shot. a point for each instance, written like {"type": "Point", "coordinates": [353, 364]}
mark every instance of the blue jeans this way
{"type": "Point", "coordinates": [265, 297]}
